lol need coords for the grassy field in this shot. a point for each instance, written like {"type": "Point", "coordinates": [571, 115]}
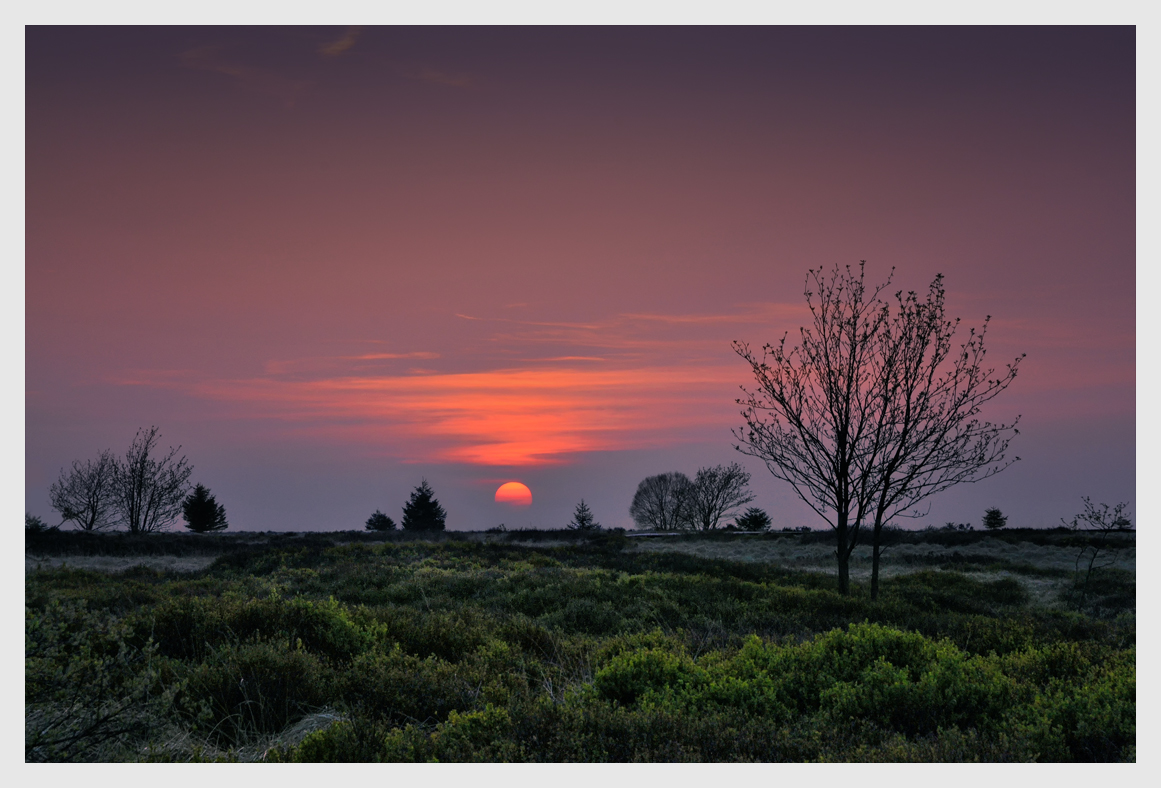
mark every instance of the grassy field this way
{"type": "Point", "coordinates": [551, 646]}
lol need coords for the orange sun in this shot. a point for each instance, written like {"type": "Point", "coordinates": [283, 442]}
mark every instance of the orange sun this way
{"type": "Point", "coordinates": [515, 494]}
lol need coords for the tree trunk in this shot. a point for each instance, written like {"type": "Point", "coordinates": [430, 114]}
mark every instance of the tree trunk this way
{"type": "Point", "coordinates": [843, 555]}
{"type": "Point", "coordinates": [875, 565]}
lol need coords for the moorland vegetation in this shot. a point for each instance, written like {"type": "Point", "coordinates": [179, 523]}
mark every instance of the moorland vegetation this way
{"type": "Point", "coordinates": [567, 646]}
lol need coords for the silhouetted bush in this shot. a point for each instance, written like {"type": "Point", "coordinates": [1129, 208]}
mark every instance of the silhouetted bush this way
{"type": "Point", "coordinates": [754, 519]}
{"type": "Point", "coordinates": [379, 522]}
{"type": "Point", "coordinates": [34, 524]}
{"type": "Point", "coordinates": [994, 519]}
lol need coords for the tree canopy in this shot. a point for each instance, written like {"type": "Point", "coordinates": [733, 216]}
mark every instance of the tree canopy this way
{"type": "Point", "coordinates": [84, 495]}
{"type": "Point", "coordinates": [582, 519]}
{"type": "Point", "coordinates": [202, 513]}
{"type": "Point", "coordinates": [715, 494]}
{"type": "Point", "coordinates": [422, 511]}
{"type": "Point", "coordinates": [994, 519]}
{"type": "Point", "coordinates": [661, 502]}
{"type": "Point", "coordinates": [754, 519]}
{"type": "Point", "coordinates": [872, 411]}
{"type": "Point", "coordinates": [379, 522]}
{"type": "Point", "coordinates": [148, 491]}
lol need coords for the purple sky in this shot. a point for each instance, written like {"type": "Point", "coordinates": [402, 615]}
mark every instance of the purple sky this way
{"type": "Point", "coordinates": [331, 262]}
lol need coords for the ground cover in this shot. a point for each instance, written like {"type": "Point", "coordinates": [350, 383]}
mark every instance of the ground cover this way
{"type": "Point", "coordinates": [547, 647]}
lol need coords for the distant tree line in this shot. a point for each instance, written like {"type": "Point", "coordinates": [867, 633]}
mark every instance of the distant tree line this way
{"type": "Point", "coordinates": [674, 502]}
{"type": "Point", "coordinates": [143, 491]}
{"type": "Point", "coordinates": [422, 512]}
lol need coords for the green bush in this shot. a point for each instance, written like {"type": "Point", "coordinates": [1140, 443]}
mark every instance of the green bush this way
{"type": "Point", "coordinates": [632, 675]}
{"type": "Point", "coordinates": [247, 690]}
{"type": "Point", "coordinates": [89, 691]}
{"type": "Point", "coordinates": [340, 742]}
{"type": "Point", "coordinates": [190, 628]}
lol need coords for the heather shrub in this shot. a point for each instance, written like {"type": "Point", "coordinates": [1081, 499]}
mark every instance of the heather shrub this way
{"type": "Point", "coordinates": [188, 628]}
{"type": "Point", "coordinates": [89, 691]}
{"type": "Point", "coordinates": [633, 675]}
{"type": "Point", "coordinates": [250, 689]}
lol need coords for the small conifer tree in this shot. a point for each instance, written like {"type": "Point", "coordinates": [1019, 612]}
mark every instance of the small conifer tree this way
{"type": "Point", "coordinates": [202, 513]}
{"type": "Point", "coordinates": [582, 519]}
{"type": "Point", "coordinates": [380, 522]}
{"type": "Point", "coordinates": [994, 519]}
{"type": "Point", "coordinates": [34, 523]}
{"type": "Point", "coordinates": [754, 519]}
{"type": "Point", "coordinates": [423, 512]}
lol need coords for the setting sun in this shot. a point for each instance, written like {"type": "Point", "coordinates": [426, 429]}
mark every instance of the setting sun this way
{"type": "Point", "coordinates": [514, 493]}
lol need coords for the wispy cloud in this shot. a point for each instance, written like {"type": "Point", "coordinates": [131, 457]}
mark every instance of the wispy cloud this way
{"type": "Point", "coordinates": [323, 366]}
{"type": "Point", "coordinates": [527, 392]}
{"type": "Point", "coordinates": [378, 356]}
{"type": "Point", "coordinates": [507, 417]}
{"type": "Point", "coordinates": [566, 358]}
{"type": "Point", "coordinates": [341, 45]}
{"type": "Point", "coordinates": [648, 338]}
{"type": "Point", "coordinates": [757, 313]}
{"type": "Point", "coordinates": [260, 80]}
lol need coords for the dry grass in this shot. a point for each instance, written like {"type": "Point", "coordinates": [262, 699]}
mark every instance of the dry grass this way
{"type": "Point", "coordinates": [118, 563]}
{"type": "Point", "coordinates": [180, 745]}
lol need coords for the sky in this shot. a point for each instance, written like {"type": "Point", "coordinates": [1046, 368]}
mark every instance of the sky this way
{"type": "Point", "coordinates": [332, 262]}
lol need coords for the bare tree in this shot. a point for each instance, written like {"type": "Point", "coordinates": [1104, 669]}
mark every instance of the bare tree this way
{"type": "Point", "coordinates": [1100, 521]}
{"type": "Point", "coordinates": [662, 502]}
{"type": "Point", "coordinates": [873, 413]}
{"type": "Point", "coordinates": [716, 493]}
{"type": "Point", "coordinates": [928, 393]}
{"type": "Point", "coordinates": [84, 495]}
{"type": "Point", "coordinates": [815, 411]}
{"type": "Point", "coordinates": [149, 492]}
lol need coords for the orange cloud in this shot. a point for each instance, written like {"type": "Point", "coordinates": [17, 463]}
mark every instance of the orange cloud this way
{"type": "Point", "coordinates": [506, 417]}
{"type": "Point", "coordinates": [380, 356]}
{"type": "Point", "coordinates": [629, 382]}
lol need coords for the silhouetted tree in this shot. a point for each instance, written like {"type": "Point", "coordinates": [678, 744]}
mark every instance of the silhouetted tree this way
{"type": "Point", "coordinates": [1104, 523]}
{"type": "Point", "coordinates": [927, 395]}
{"type": "Point", "coordinates": [754, 519]}
{"type": "Point", "coordinates": [994, 519]}
{"type": "Point", "coordinates": [813, 414]}
{"type": "Point", "coordinates": [84, 495]}
{"type": "Point", "coordinates": [662, 502]}
{"type": "Point", "coordinates": [34, 523]}
{"type": "Point", "coordinates": [202, 512]}
{"type": "Point", "coordinates": [148, 492]}
{"type": "Point", "coordinates": [423, 512]}
{"type": "Point", "coordinates": [380, 522]}
{"type": "Point", "coordinates": [582, 519]}
{"type": "Point", "coordinates": [863, 418]}
{"type": "Point", "coordinates": [715, 494]}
